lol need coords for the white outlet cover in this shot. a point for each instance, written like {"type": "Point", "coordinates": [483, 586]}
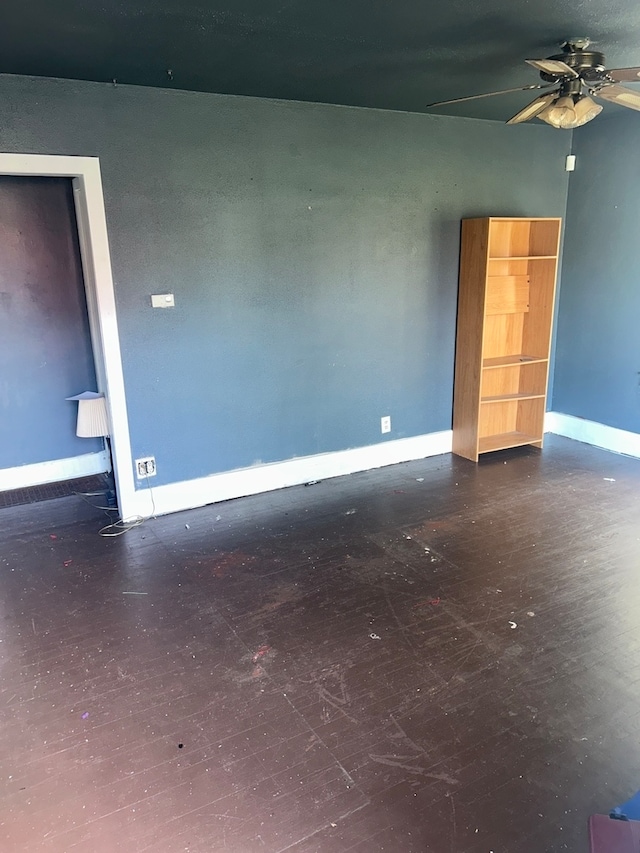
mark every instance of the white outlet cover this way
{"type": "Point", "coordinates": [385, 424]}
{"type": "Point", "coordinates": [163, 300]}
{"type": "Point", "coordinates": [144, 461]}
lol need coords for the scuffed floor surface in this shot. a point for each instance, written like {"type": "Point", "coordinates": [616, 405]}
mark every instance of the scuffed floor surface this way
{"type": "Point", "coordinates": [435, 656]}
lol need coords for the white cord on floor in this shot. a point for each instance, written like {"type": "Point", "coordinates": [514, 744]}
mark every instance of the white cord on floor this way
{"type": "Point", "coordinates": [122, 525]}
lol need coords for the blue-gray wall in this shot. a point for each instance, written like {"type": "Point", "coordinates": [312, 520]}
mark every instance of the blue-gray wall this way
{"type": "Point", "coordinates": [45, 347]}
{"type": "Point", "coordinates": [597, 368]}
{"type": "Point", "coordinates": [312, 250]}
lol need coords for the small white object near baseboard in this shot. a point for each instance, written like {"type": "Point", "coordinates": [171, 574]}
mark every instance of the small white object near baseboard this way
{"type": "Point", "coordinates": [292, 472]}
{"type": "Point", "coordinates": [591, 432]}
{"type": "Point", "coordinates": [24, 476]}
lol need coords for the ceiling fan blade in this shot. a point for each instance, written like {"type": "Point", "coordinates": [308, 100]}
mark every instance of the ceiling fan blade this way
{"type": "Point", "coordinates": [619, 95]}
{"type": "Point", "coordinates": [553, 66]}
{"type": "Point", "coordinates": [490, 94]}
{"type": "Point", "coordinates": [625, 75]}
{"type": "Point", "coordinates": [532, 109]}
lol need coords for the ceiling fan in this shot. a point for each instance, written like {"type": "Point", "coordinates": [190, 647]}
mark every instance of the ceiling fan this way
{"type": "Point", "coordinates": [575, 76]}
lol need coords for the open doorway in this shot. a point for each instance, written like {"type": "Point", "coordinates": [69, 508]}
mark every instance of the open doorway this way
{"type": "Point", "coordinates": [88, 203]}
{"type": "Point", "coordinates": [46, 353]}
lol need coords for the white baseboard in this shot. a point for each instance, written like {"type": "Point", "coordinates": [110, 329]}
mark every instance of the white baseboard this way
{"type": "Point", "coordinates": [591, 432]}
{"type": "Point", "coordinates": [278, 475]}
{"type": "Point", "coordinates": [23, 476]}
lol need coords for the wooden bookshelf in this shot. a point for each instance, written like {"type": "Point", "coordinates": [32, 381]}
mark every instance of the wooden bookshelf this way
{"type": "Point", "coordinates": [508, 269]}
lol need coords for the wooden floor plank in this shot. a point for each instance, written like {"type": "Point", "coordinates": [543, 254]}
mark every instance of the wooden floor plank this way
{"type": "Point", "coordinates": [436, 656]}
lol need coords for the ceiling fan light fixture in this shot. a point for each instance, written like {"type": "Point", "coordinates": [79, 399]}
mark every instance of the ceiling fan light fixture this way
{"type": "Point", "coordinates": [586, 109]}
{"type": "Point", "coordinates": [560, 113]}
{"type": "Point", "coordinates": [570, 111]}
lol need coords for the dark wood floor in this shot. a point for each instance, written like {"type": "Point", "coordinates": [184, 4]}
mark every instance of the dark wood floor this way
{"type": "Point", "coordinates": [436, 656]}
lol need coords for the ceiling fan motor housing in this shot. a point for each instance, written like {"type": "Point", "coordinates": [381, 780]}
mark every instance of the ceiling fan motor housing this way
{"type": "Point", "coordinates": [586, 63]}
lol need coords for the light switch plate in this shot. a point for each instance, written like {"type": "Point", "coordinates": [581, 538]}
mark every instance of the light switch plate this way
{"type": "Point", "coordinates": [162, 300]}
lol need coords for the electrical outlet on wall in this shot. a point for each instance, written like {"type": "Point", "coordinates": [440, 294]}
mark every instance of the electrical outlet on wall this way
{"type": "Point", "coordinates": [385, 423]}
{"type": "Point", "coordinates": [145, 467]}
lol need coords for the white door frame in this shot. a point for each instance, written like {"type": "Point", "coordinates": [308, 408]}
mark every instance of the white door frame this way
{"type": "Point", "coordinates": [101, 304]}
